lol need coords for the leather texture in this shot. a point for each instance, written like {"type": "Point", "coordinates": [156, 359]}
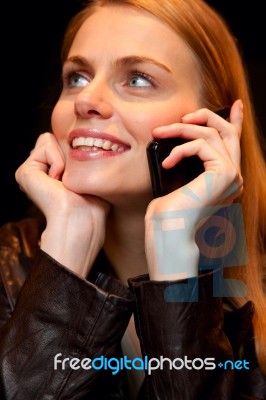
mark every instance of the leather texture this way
{"type": "Point", "coordinates": [45, 309]}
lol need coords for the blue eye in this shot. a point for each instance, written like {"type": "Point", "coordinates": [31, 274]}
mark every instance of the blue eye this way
{"type": "Point", "coordinates": [139, 80]}
{"type": "Point", "coordinates": [77, 80]}
{"type": "Point", "coordinates": [73, 79]}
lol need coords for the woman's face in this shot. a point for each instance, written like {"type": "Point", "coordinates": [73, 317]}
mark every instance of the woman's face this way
{"type": "Point", "coordinates": [126, 74]}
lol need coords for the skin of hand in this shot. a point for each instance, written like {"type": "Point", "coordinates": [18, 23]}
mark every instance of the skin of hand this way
{"type": "Point", "coordinates": [73, 220]}
{"type": "Point", "coordinates": [218, 145]}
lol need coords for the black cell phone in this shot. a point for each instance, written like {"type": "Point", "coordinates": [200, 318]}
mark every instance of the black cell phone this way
{"type": "Point", "coordinates": [164, 180]}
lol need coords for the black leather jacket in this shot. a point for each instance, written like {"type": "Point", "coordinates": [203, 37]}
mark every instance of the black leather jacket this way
{"type": "Point", "coordinates": [45, 309]}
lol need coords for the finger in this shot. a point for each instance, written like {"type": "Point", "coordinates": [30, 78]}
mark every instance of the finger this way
{"type": "Point", "coordinates": [190, 132]}
{"type": "Point", "coordinates": [203, 123]}
{"type": "Point", "coordinates": [236, 116]}
{"type": "Point", "coordinates": [231, 138]}
{"type": "Point", "coordinates": [230, 131]}
{"type": "Point", "coordinates": [47, 155]}
{"type": "Point", "coordinates": [42, 139]}
{"type": "Point", "coordinates": [212, 159]}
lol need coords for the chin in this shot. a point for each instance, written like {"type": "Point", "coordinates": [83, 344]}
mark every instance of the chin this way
{"type": "Point", "coordinates": [101, 183]}
{"type": "Point", "coordinates": [110, 192]}
{"type": "Point", "coordinates": [80, 185]}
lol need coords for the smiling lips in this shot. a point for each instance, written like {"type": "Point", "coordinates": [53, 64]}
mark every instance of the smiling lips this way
{"type": "Point", "coordinates": [94, 144]}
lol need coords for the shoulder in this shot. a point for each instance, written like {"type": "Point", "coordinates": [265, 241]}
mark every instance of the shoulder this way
{"type": "Point", "coordinates": [19, 242]}
{"type": "Point", "coordinates": [21, 237]}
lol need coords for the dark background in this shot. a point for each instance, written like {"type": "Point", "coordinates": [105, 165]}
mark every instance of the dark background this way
{"type": "Point", "coordinates": [30, 64]}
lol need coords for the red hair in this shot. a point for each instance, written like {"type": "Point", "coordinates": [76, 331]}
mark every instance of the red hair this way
{"type": "Point", "coordinates": [223, 80]}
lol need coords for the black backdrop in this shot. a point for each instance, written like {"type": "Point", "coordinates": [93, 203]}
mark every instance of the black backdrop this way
{"type": "Point", "coordinates": [30, 65]}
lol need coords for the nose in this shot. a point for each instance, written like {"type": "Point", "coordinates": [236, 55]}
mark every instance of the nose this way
{"type": "Point", "coordinates": [94, 101]}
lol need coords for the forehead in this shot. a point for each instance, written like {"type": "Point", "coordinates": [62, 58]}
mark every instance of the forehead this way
{"type": "Point", "coordinates": [122, 30]}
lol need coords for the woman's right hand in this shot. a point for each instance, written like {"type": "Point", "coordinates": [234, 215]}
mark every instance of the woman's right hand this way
{"type": "Point", "coordinates": [75, 228]}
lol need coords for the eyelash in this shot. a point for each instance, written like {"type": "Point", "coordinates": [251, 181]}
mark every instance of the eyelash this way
{"type": "Point", "coordinates": [141, 74]}
{"type": "Point", "coordinates": [68, 75]}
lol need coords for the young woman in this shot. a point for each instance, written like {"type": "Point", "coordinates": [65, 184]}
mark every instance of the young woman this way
{"type": "Point", "coordinates": [134, 70]}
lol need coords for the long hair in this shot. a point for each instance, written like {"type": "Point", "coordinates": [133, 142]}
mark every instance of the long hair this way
{"type": "Point", "coordinates": [223, 80]}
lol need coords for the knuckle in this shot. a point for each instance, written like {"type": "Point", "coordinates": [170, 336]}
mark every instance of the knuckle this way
{"type": "Point", "coordinates": [233, 175]}
{"type": "Point", "coordinates": [236, 179]}
{"type": "Point", "coordinates": [43, 138]}
{"type": "Point", "coordinates": [20, 173]}
{"type": "Point", "coordinates": [201, 142]}
{"type": "Point", "coordinates": [240, 184]}
{"type": "Point", "coordinates": [17, 174]}
{"type": "Point", "coordinates": [204, 110]}
{"type": "Point", "coordinates": [211, 132]}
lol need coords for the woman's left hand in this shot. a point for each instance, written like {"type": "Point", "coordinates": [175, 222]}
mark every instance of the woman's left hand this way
{"type": "Point", "coordinates": [216, 142]}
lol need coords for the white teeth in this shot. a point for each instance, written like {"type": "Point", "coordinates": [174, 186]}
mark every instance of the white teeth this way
{"type": "Point", "coordinates": [98, 143]}
{"type": "Point", "coordinates": [95, 142]}
{"type": "Point", "coordinates": [114, 147]}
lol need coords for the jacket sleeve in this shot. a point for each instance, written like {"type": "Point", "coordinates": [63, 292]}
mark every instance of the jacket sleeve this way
{"type": "Point", "coordinates": [59, 316]}
{"type": "Point", "coordinates": [188, 355]}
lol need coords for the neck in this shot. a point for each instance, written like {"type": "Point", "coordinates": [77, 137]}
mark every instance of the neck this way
{"type": "Point", "coordinates": [124, 242]}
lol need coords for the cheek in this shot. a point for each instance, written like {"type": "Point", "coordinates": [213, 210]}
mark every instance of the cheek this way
{"type": "Point", "coordinates": [167, 114]}
{"type": "Point", "coordinates": [150, 118]}
{"type": "Point", "coordinates": [61, 119]}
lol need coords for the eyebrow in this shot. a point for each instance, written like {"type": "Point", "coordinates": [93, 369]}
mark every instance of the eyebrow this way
{"type": "Point", "coordinates": [124, 61]}
{"type": "Point", "coordinates": [131, 60]}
